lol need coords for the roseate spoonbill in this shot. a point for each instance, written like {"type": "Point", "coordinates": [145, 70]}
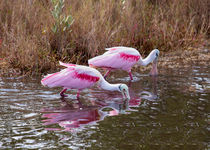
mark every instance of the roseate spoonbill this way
{"type": "Point", "coordinates": [124, 58]}
{"type": "Point", "coordinates": [81, 77]}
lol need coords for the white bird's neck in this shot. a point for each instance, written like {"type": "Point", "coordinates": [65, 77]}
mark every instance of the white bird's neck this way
{"type": "Point", "coordinates": [147, 60]}
{"type": "Point", "coordinates": [107, 86]}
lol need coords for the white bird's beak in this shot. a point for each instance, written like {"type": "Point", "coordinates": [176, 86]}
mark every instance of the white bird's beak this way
{"type": "Point", "coordinates": [125, 94]}
{"type": "Point", "coordinates": [123, 88]}
{"type": "Point", "coordinates": [154, 70]}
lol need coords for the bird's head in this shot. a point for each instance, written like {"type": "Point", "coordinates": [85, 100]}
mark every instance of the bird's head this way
{"type": "Point", "coordinates": [123, 88]}
{"type": "Point", "coordinates": [154, 70]}
{"type": "Point", "coordinates": [156, 53]}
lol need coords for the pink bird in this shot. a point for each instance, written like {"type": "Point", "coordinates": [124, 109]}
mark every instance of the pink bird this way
{"type": "Point", "coordinates": [81, 77]}
{"type": "Point", "coordinates": [124, 58]}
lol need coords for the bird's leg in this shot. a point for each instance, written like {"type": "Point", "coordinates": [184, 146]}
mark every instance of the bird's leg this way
{"type": "Point", "coordinates": [79, 104]}
{"type": "Point", "coordinates": [106, 74]}
{"type": "Point", "coordinates": [129, 84]}
{"type": "Point", "coordinates": [62, 93]}
{"type": "Point", "coordinates": [130, 74]}
{"type": "Point", "coordinates": [78, 94]}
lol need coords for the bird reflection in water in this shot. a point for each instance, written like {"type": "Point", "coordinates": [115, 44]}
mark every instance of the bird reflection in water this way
{"type": "Point", "coordinates": [151, 96]}
{"type": "Point", "coordinates": [75, 114]}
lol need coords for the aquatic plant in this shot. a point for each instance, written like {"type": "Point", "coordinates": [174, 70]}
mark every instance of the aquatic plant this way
{"type": "Point", "coordinates": [62, 22]}
{"type": "Point", "coordinates": [61, 26]}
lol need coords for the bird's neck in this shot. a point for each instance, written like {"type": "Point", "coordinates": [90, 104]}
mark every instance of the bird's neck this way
{"type": "Point", "coordinates": [146, 61]}
{"type": "Point", "coordinates": [107, 86]}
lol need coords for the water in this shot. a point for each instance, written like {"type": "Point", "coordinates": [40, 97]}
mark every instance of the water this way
{"type": "Point", "coordinates": [167, 112]}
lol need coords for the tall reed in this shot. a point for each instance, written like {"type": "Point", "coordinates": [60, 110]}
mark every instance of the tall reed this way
{"type": "Point", "coordinates": [30, 44]}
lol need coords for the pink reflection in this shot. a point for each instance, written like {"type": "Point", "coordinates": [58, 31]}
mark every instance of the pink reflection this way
{"type": "Point", "coordinates": [76, 115]}
{"type": "Point", "coordinates": [72, 114]}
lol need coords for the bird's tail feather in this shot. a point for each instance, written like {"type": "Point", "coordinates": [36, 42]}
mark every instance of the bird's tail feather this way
{"type": "Point", "coordinates": [95, 60]}
{"type": "Point", "coordinates": [66, 65]}
{"type": "Point", "coordinates": [50, 80]}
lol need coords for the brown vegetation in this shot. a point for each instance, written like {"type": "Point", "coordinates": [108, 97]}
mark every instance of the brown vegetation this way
{"type": "Point", "coordinates": [28, 43]}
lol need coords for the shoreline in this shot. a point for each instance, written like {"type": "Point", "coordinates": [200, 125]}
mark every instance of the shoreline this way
{"type": "Point", "coordinates": [180, 58]}
{"type": "Point", "coordinates": [167, 61]}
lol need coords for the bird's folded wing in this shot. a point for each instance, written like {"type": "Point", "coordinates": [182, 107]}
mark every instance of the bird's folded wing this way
{"type": "Point", "coordinates": [112, 61]}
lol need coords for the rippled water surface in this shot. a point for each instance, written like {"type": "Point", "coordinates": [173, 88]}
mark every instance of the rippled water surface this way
{"type": "Point", "coordinates": [167, 112]}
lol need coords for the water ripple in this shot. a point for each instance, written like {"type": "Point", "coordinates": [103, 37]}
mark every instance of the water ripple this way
{"type": "Point", "coordinates": [171, 109]}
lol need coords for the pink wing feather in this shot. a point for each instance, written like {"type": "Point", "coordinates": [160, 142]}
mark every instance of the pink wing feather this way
{"type": "Point", "coordinates": [116, 58]}
{"type": "Point", "coordinates": [73, 77]}
{"type": "Point", "coordinates": [66, 65]}
{"type": "Point", "coordinates": [107, 61]}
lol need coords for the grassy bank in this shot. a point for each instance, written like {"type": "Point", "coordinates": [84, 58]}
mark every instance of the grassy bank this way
{"type": "Point", "coordinates": [35, 34]}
